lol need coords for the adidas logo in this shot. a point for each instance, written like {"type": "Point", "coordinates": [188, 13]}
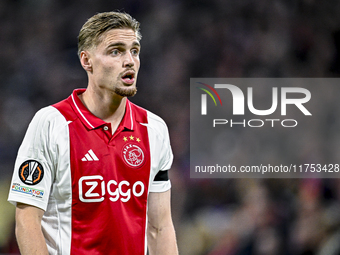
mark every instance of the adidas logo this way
{"type": "Point", "coordinates": [90, 156]}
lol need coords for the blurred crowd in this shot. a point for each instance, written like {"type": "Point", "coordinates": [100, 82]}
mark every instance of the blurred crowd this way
{"type": "Point", "coordinates": [182, 39]}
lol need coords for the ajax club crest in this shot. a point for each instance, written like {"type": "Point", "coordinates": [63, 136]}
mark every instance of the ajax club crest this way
{"type": "Point", "coordinates": [133, 155]}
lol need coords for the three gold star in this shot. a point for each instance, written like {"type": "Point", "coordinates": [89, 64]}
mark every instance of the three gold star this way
{"type": "Point", "coordinates": [132, 138]}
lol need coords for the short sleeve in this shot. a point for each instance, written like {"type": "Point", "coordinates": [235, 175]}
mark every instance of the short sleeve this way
{"type": "Point", "coordinates": [161, 182]}
{"type": "Point", "coordinates": [34, 166]}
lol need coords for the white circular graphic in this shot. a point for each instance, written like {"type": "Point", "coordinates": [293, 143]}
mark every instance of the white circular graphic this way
{"type": "Point", "coordinates": [133, 155]}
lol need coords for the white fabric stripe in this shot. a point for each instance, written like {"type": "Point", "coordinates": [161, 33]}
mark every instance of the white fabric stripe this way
{"type": "Point", "coordinates": [93, 155]}
{"type": "Point", "coordinates": [160, 151]}
{"type": "Point", "coordinates": [131, 116]}
{"type": "Point", "coordinates": [64, 186]}
{"type": "Point", "coordinates": [160, 186]}
{"type": "Point", "coordinates": [146, 229]}
{"type": "Point", "coordinates": [81, 112]}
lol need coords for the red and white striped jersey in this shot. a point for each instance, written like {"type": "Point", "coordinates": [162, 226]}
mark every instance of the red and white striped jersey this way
{"type": "Point", "coordinates": [92, 185]}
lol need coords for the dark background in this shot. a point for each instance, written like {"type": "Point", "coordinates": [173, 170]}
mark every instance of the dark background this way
{"type": "Point", "coordinates": [183, 39]}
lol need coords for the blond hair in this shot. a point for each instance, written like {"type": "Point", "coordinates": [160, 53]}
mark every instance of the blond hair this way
{"type": "Point", "coordinates": [91, 32]}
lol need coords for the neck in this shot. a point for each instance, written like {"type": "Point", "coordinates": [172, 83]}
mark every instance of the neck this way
{"type": "Point", "coordinates": [109, 107]}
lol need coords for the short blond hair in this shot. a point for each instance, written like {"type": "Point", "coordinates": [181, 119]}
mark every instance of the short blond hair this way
{"type": "Point", "coordinates": [97, 25]}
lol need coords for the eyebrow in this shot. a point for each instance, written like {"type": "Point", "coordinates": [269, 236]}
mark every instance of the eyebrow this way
{"type": "Point", "coordinates": [122, 44]}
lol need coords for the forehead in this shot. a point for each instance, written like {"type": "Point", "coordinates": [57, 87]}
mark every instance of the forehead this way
{"type": "Point", "coordinates": [124, 35]}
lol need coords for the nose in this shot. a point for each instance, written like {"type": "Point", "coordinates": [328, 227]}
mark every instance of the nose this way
{"type": "Point", "coordinates": [128, 60]}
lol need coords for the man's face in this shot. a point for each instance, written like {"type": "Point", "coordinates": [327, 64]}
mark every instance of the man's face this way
{"type": "Point", "coordinates": [115, 62]}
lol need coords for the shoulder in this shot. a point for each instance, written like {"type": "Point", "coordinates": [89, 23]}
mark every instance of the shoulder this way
{"type": "Point", "coordinates": [57, 113]}
{"type": "Point", "coordinates": [157, 128]}
{"type": "Point", "coordinates": [47, 115]}
{"type": "Point", "coordinates": [147, 117]}
{"type": "Point", "coordinates": [48, 120]}
{"type": "Point", "coordinates": [156, 120]}
{"type": "Point", "coordinates": [153, 121]}
{"type": "Point", "coordinates": [44, 129]}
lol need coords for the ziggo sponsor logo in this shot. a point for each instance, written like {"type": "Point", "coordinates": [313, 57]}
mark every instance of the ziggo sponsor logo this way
{"type": "Point", "coordinates": [92, 189]}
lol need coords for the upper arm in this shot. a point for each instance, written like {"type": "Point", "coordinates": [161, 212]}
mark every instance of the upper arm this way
{"type": "Point", "coordinates": [25, 212]}
{"type": "Point", "coordinates": [28, 230]}
{"type": "Point", "coordinates": [27, 217]}
{"type": "Point", "coordinates": [159, 209]}
{"type": "Point", "coordinates": [161, 232]}
{"type": "Point", "coordinates": [34, 169]}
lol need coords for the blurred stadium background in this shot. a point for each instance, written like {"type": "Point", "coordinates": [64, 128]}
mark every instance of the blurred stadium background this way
{"type": "Point", "coordinates": [183, 39]}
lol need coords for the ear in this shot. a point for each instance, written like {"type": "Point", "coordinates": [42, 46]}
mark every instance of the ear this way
{"type": "Point", "coordinates": [85, 60]}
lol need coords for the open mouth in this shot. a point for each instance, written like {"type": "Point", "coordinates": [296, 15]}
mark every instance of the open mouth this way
{"type": "Point", "coordinates": [128, 77]}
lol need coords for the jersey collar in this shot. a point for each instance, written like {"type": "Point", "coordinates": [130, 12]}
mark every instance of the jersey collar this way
{"type": "Point", "coordinates": [93, 122]}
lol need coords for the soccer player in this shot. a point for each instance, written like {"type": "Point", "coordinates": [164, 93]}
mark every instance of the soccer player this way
{"type": "Point", "coordinates": [91, 176]}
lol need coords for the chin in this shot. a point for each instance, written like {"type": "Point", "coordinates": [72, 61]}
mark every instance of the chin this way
{"type": "Point", "coordinates": [126, 92]}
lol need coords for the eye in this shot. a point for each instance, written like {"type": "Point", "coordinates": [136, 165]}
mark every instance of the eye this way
{"type": "Point", "coordinates": [135, 52]}
{"type": "Point", "coordinates": [115, 52]}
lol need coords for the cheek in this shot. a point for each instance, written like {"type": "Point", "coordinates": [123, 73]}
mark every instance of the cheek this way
{"type": "Point", "coordinates": [109, 68]}
{"type": "Point", "coordinates": [106, 74]}
{"type": "Point", "coordinates": [137, 64]}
